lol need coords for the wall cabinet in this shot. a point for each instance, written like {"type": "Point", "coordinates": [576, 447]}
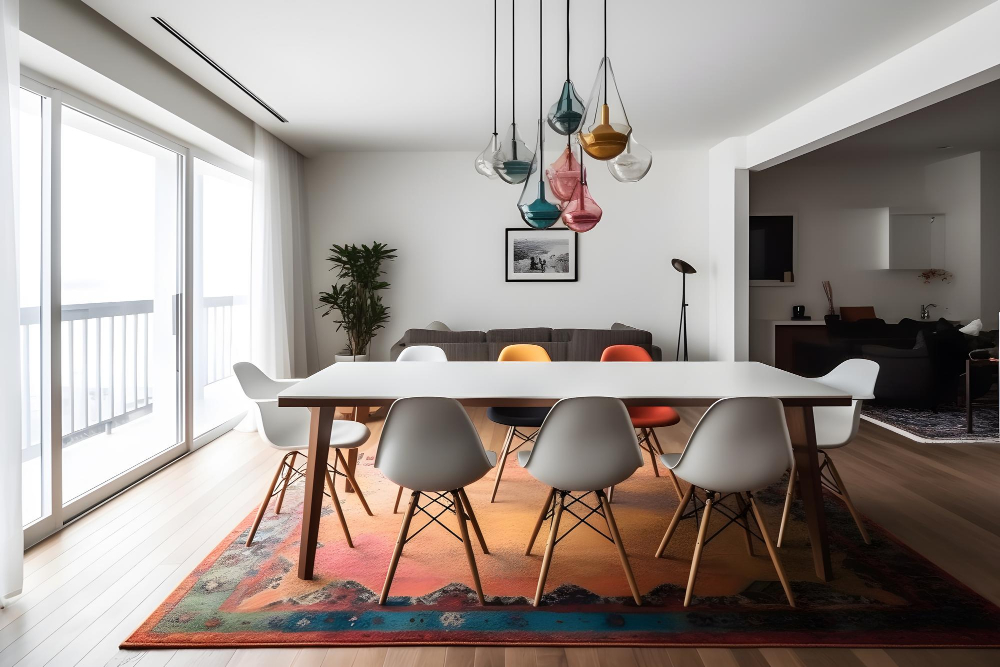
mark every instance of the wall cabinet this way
{"type": "Point", "coordinates": [913, 241]}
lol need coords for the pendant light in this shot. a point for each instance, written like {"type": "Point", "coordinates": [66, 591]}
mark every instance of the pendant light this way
{"type": "Point", "coordinates": [484, 161]}
{"type": "Point", "coordinates": [601, 138]}
{"type": "Point", "coordinates": [581, 213]}
{"type": "Point", "coordinates": [631, 165]}
{"type": "Point", "coordinates": [513, 161]}
{"type": "Point", "coordinates": [538, 206]}
{"type": "Point", "coordinates": [567, 113]}
{"type": "Point", "coordinates": [564, 173]}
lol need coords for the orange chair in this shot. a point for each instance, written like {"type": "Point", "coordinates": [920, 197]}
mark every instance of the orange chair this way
{"type": "Point", "coordinates": [646, 418]}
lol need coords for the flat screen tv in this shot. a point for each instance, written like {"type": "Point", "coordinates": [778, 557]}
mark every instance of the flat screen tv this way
{"type": "Point", "coordinates": [772, 246]}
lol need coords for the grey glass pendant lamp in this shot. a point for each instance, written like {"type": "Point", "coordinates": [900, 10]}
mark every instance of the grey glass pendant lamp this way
{"type": "Point", "coordinates": [566, 114]}
{"type": "Point", "coordinates": [513, 161]}
{"type": "Point", "coordinates": [484, 161]}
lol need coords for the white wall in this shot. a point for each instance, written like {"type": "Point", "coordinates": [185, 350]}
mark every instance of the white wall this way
{"type": "Point", "coordinates": [989, 250]}
{"type": "Point", "coordinates": [729, 251]}
{"type": "Point", "coordinates": [448, 224]}
{"type": "Point", "coordinates": [840, 209]}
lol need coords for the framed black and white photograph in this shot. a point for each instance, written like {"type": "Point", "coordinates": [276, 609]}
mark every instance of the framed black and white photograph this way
{"type": "Point", "coordinates": [541, 255]}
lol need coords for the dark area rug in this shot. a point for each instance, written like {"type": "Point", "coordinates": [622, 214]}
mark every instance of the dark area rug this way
{"type": "Point", "coordinates": [948, 423]}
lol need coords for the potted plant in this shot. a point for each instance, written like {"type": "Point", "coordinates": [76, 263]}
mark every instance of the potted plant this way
{"type": "Point", "coordinates": [355, 298]}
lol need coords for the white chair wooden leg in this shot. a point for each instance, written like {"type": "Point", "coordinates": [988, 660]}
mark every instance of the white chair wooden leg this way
{"type": "Point", "coordinates": [789, 495]}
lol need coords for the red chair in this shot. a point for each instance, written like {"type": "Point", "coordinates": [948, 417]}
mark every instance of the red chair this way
{"type": "Point", "coordinates": [646, 418]}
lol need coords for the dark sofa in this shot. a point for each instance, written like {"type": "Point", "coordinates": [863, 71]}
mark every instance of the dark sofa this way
{"type": "Point", "coordinates": [920, 363]}
{"type": "Point", "coordinates": [561, 344]}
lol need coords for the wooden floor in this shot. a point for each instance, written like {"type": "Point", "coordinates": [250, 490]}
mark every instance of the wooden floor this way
{"type": "Point", "coordinates": [89, 586]}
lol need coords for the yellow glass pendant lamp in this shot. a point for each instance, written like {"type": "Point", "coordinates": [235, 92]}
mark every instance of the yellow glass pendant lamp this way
{"type": "Point", "coordinates": [605, 130]}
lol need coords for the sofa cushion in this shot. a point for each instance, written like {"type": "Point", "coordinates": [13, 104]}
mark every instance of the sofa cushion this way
{"type": "Point", "coordinates": [525, 335]}
{"type": "Point", "coordinates": [432, 337]}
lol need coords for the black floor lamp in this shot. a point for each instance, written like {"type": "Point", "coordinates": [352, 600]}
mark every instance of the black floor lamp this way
{"type": "Point", "coordinates": [684, 268]}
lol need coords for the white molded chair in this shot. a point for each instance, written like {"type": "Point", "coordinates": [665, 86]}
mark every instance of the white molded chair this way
{"type": "Point", "coordinates": [257, 385]}
{"type": "Point", "coordinates": [584, 445]}
{"type": "Point", "coordinates": [740, 445]}
{"type": "Point", "coordinates": [422, 353]}
{"type": "Point", "coordinates": [287, 430]}
{"type": "Point", "coordinates": [431, 446]}
{"type": "Point", "coordinates": [418, 353]}
{"type": "Point", "coordinates": [837, 426]}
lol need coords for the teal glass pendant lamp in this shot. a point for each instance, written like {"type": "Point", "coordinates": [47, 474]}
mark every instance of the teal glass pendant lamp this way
{"type": "Point", "coordinates": [484, 161]}
{"type": "Point", "coordinates": [513, 161]}
{"type": "Point", "coordinates": [538, 205]}
{"type": "Point", "coordinates": [566, 114]}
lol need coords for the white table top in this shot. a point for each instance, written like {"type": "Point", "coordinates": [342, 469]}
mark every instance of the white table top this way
{"type": "Point", "coordinates": [492, 383]}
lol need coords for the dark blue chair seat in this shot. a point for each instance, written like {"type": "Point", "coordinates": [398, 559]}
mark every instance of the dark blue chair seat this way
{"type": "Point", "coordinates": [526, 417]}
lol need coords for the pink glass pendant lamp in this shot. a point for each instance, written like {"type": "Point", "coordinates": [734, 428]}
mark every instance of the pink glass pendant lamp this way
{"type": "Point", "coordinates": [581, 213]}
{"type": "Point", "coordinates": [564, 173]}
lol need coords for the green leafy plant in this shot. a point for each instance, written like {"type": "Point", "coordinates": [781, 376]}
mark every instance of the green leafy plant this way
{"type": "Point", "coordinates": [356, 296]}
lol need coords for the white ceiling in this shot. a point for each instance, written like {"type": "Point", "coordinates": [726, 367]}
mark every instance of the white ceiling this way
{"type": "Point", "coordinates": [962, 124]}
{"type": "Point", "coordinates": [406, 75]}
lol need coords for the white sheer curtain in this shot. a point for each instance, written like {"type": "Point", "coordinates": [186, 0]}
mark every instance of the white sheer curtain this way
{"type": "Point", "coordinates": [283, 332]}
{"type": "Point", "coordinates": [11, 533]}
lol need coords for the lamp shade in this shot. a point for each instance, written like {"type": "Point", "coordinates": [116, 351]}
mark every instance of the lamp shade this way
{"type": "Point", "coordinates": [605, 129]}
{"type": "Point", "coordinates": [567, 112]}
{"type": "Point", "coordinates": [633, 163]}
{"type": "Point", "coordinates": [513, 161]}
{"type": "Point", "coordinates": [564, 174]}
{"type": "Point", "coordinates": [484, 161]}
{"type": "Point", "coordinates": [581, 213]}
{"type": "Point", "coordinates": [538, 205]}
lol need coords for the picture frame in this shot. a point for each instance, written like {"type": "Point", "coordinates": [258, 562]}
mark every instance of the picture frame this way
{"type": "Point", "coordinates": [541, 255]}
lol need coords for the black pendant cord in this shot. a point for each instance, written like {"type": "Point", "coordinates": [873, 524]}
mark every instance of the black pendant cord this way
{"type": "Point", "coordinates": [605, 51]}
{"type": "Point", "coordinates": [541, 142]}
{"type": "Point", "coordinates": [494, 68]}
{"type": "Point", "coordinates": [567, 40]}
{"type": "Point", "coordinates": [513, 65]}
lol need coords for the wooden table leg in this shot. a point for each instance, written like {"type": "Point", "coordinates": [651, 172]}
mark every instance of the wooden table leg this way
{"type": "Point", "coordinates": [361, 416]}
{"type": "Point", "coordinates": [320, 424]}
{"type": "Point", "coordinates": [802, 430]}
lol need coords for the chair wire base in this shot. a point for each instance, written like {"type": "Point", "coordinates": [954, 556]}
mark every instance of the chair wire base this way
{"type": "Point", "coordinates": [439, 503]}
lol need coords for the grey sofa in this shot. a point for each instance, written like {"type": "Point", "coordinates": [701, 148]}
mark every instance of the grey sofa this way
{"type": "Point", "coordinates": [561, 344]}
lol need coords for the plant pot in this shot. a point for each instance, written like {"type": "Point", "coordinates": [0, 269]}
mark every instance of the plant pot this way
{"type": "Point", "coordinates": [340, 358]}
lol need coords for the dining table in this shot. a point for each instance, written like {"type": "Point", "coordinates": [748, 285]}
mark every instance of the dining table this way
{"type": "Point", "coordinates": [531, 384]}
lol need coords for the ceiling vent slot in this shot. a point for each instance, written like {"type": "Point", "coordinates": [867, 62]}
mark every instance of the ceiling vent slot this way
{"type": "Point", "coordinates": [201, 54]}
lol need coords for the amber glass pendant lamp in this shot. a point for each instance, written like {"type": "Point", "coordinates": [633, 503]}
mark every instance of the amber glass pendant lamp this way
{"type": "Point", "coordinates": [605, 130]}
{"type": "Point", "coordinates": [513, 162]}
{"type": "Point", "coordinates": [538, 205]}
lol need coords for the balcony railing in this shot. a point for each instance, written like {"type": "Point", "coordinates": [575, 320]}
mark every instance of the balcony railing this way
{"type": "Point", "coordinates": [106, 364]}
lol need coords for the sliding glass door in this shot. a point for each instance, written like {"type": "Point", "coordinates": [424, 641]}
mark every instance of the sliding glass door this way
{"type": "Point", "coordinates": [121, 370]}
{"type": "Point", "coordinates": [120, 290]}
{"type": "Point", "coordinates": [222, 204]}
{"type": "Point", "coordinates": [33, 465]}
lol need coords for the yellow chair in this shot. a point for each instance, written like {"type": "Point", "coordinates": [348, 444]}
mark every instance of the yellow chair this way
{"type": "Point", "coordinates": [517, 418]}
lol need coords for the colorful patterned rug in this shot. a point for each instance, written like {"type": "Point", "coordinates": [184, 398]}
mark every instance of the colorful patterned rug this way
{"type": "Point", "coordinates": [882, 595]}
